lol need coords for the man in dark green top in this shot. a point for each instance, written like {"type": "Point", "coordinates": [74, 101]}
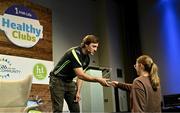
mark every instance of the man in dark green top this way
{"type": "Point", "coordinates": [72, 64]}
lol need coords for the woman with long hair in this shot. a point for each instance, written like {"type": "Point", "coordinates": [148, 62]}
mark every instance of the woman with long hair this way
{"type": "Point", "coordinates": [145, 91]}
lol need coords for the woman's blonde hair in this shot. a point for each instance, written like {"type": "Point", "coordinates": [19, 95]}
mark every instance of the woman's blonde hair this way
{"type": "Point", "coordinates": [151, 68]}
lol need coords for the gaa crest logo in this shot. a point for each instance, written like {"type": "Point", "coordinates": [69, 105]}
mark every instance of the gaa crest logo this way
{"type": "Point", "coordinates": [7, 69]}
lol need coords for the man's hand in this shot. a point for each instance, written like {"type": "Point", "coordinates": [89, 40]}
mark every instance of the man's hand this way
{"type": "Point", "coordinates": [114, 83]}
{"type": "Point", "coordinates": [78, 97]}
{"type": "Point", "coordinates": [103, 81]}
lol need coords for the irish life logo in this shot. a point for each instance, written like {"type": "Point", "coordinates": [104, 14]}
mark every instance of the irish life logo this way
{"type": "Point", "coordinates": [21, 26]}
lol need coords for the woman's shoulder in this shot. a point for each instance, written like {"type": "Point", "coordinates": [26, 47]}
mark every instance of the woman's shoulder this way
{"type": "Point", "coordinates": [141, 80]}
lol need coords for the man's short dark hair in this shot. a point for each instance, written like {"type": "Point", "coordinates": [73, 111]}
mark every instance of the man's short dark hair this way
{"type": "Point", "coordinates": [89, 39]}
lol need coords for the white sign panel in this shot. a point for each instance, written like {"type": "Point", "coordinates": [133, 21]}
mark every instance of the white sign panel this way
{"type": "Point", "coordinates": [14, 68]}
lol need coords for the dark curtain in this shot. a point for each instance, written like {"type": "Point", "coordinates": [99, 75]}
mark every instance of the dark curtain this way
{"type": "Point", "coordinates": [130, 38]}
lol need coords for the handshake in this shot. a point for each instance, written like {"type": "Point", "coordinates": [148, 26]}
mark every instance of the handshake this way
{"type": "Point", "coordinates": [107, 82]}
{"type": "Point", "coordinates": [112, 83]}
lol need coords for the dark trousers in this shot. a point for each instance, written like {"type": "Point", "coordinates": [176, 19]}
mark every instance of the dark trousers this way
{"type": "Point", "coordinates": [61, 90]}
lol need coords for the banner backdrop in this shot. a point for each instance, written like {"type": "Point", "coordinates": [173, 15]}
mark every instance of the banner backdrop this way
{"type": "Point", "coordinates": [26, 46]}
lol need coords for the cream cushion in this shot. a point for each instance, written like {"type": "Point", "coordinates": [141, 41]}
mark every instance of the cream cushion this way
{"type": "Point", "coordinates": [15, 93]}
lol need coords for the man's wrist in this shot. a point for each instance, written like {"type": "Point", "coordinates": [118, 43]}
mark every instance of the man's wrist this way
{"type": "Point", "coordinates": [96, 79]}
{"type": "Point", "coordinates": [78, 91]}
